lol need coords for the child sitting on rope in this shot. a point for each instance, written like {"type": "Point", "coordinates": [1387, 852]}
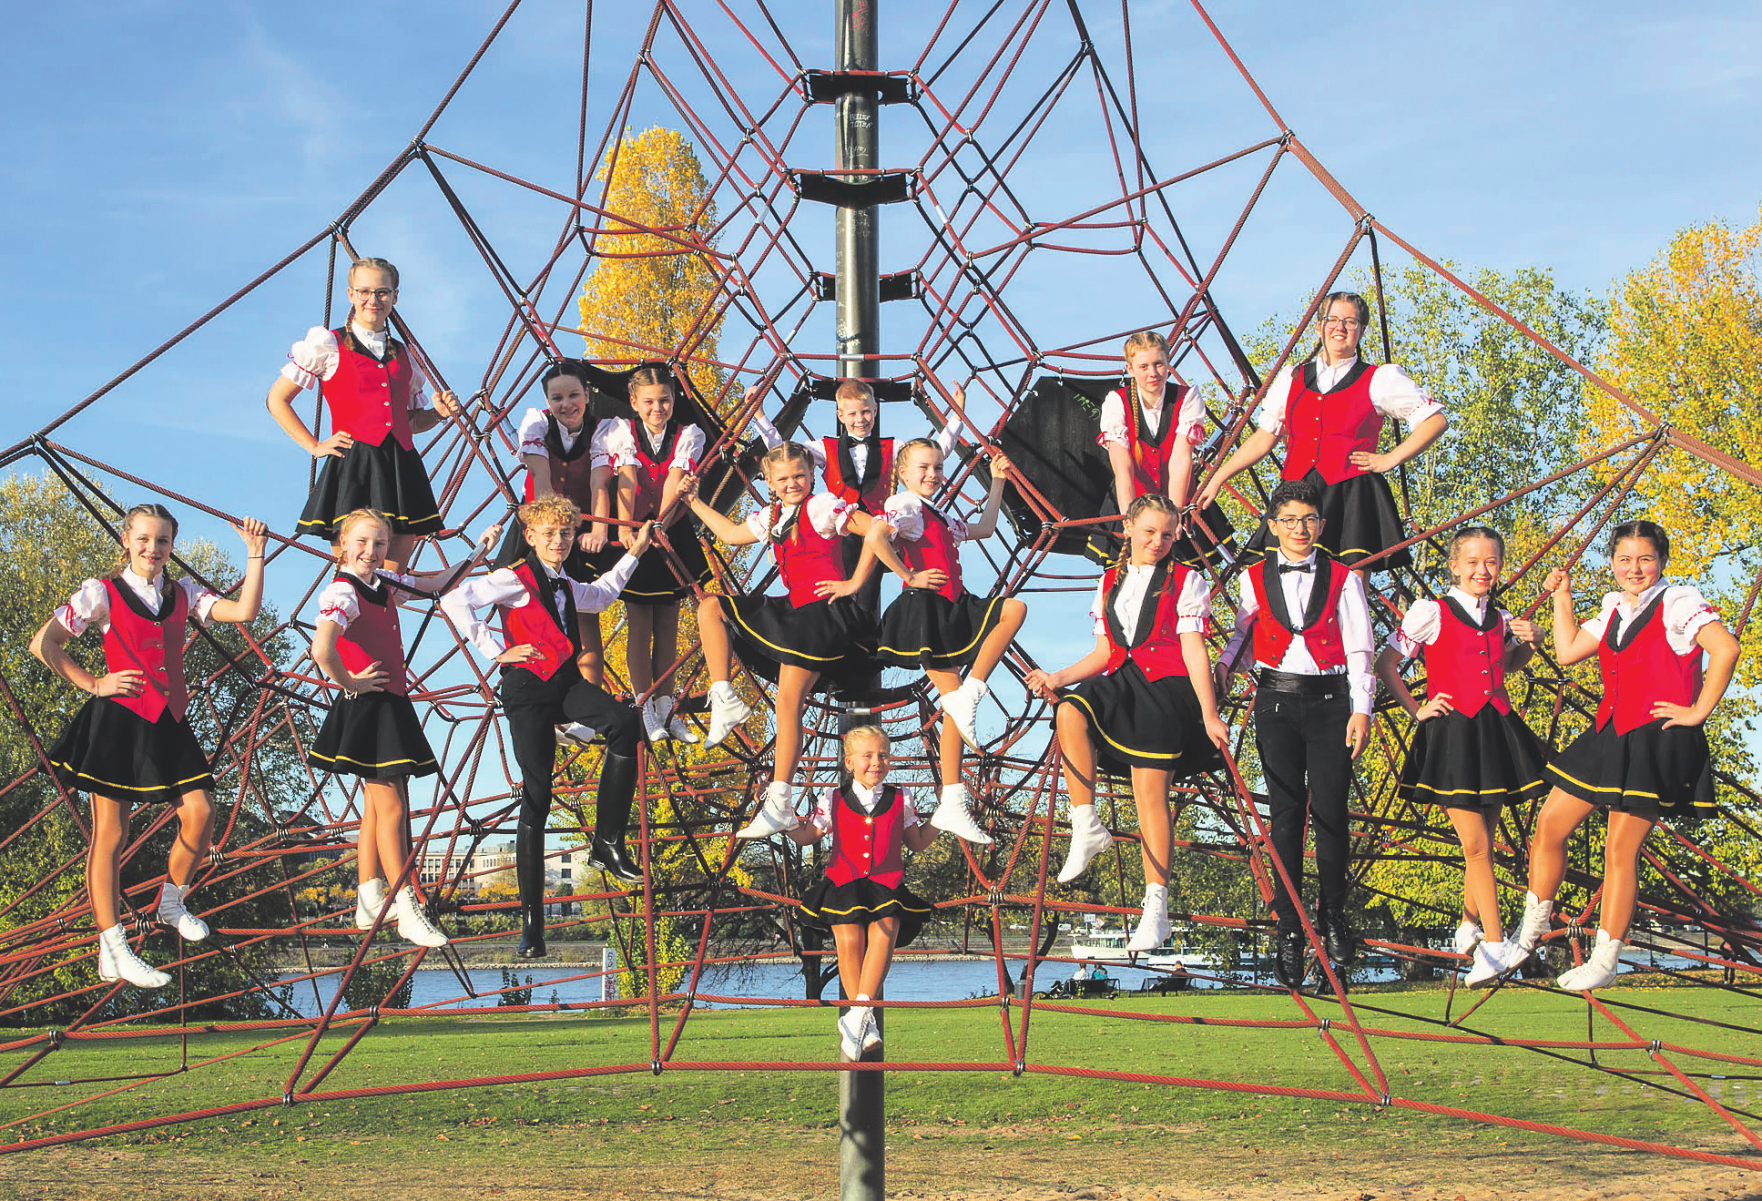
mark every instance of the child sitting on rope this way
{"type": "Point", "coordinates": [862, 898]}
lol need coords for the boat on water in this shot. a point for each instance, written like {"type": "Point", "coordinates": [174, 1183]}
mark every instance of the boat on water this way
{"type": "Point", "coordinates": [1102, 945]}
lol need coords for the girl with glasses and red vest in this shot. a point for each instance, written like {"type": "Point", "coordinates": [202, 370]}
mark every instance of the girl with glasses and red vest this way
{"type": "Point", "coordinates": [1142, 703]}
{"type": "Point", "coordinates": [862, 898]}
{"type": "Point", "coordinates": [815, 631]}
{"type": "Point", "coordinates": [1149, 429]}
{"type": "Point", "coordinates": [1646, 755]}
{"type": "Point", "coordinates": [1471, 752]}
{"type": "Point", "coordinates": [655, 451]}
{"type": "Point", "coordinates": [936, 626]}
{"type": "Point", "coordinates": [378, 404]}
{"type": "Point", "coordinates": [372, 730]}
{"type": "Point", "coordinates": [1330, 411]}
{"type": "Point", "coordinates": [539, 647]}
{"type": "Point", "coordinates": [131, 744]}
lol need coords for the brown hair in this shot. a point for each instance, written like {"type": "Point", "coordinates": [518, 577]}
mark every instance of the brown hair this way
{"type": "Point", "coordinates": [155, 511]}
{"type": "Point", "coordinates": [1358, 302]}
{"type": "Point", "coordinates": [649, 374]}
{"type": "Point", "coordinates": [1466, 532]}
{"type": "Point", "coordinates": [550, 510]}
{"type": "Point", "coordinates": [354, 518]}
{"type": "Point", "coordinates": [899, 456]}
{"type": "Point", "coordinates": [1135, 510]}
{"type": "Point", "coordinates": [1649, 531]}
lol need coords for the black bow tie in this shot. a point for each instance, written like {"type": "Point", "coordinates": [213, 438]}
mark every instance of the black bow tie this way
{"type": "Point", "coordinates": [1305, 568]}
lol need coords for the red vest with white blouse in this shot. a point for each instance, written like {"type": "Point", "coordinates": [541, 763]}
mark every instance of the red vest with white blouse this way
{"type": "Point", "coordinates": [374, 636]}
{"type": "Point", "coordinates": [571, 470]}
{"type": "Point", "coordinates": [1150, 454]}
{"type": "Point", "coordinates": [536, 623]}
{"type": "Point", "coordinates": [935, 550]}
{"type": "Point", "coordinates": [152, 644]}
{"type": "Point", "coordinates": [805, 557]}
{"type": "Point", "coordinates": [868, 844]}
{"type": "Point", "coordinates": [1643, 669]}
{"type": "Point", "coordinates": [874, 499]}
{"type": "Point", "coordinates": [1322, 637]}
{"type": "Point", "coordinates": [1324, 428]}
{"type": "Point", "coordinates": [651, 470]}
{"type": "Point", "coordinates": [1467, 661]}
{"type": "Point", "coordinates": [1155, 645]}
{"type": "Point", "coordinates": [367, 398]}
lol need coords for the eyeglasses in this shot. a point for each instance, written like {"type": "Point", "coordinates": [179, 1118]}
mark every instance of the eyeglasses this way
{"type": "Point", "coordinates": [374, 293]}
{"type": "Point", "coordinates": [1342, 322]}
{"type": "Point", "coordinates": [1309, 522]}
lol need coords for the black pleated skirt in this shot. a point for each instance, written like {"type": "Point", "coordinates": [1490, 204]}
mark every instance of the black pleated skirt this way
{"type": "Point", "coordinates": [1137, 722]}
{"type": "Point", "coordinates": [924, 629]}
{"type": "Point", "coordinates": [863, 901]}
{"type": "Point", "coordinates": [113, 751]}
{"type": "Point", "coordinates": [1648, 771]}
{"type": "Point", "coordinates": [833, 637]}
{"type": "Point", "coordinates": [375, 735]}
{"type": "Point", "coordinates": [653, 581]}
{"type": "Point", "coordinates": [386, 477]}
{"type": "Point", "coordinates": [1483, 762]}
{"type": "Point", "coordinates": [1359, 520]}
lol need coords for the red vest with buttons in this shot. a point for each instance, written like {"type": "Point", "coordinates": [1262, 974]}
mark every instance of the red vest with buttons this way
{"type": "Point", "coordinates": [1324, 428]}
{"type": "Point", "coordinates": [1467, 661]}
{"type": "Point", "coordinates": [1150, 454]}
{"type": "Point", "coordinates": [367, 398]}
{"type": "Point", "coordinates": [651, 470]}
{"type": "Point", "coordinates": [1155, 645]}
{"type": "Point", "coordinates": [872, 499]}
{"type": "Point", "coordinates": [805, 557]}
{"type": "Point", "coordinates": [1643, 670]}
{"type": "Point", "coordinates": [374, 636]}
{"type": "Point", "coordinates": [1272, 637]}
{"type": "Point", "coordinates": [572, 469]}
{"type": "Point", "coordinates": [936, 550]}
{"type": "Point", "coordinates": [868, 844]}
{"type": "Point", "coordinates": [535, 622]}
{"type": "Point", "coordinates": [150, 643]}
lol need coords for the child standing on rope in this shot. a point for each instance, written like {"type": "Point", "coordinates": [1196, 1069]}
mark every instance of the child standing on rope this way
{"type": "Point", "coordinates": [816, 630]}
{"type": "Point", "coordinates": [1312, 712]}
{"type": "Point", "coordinates": [1471, 752]}
{"type": "Point", "coordinates": [131, 744]}
{"type": "Point", "coordinates": [1646, 755]}
{"type": "Point", "coordinates": [1143, 702]}
{"type": "Point", "coordinates": [863, 898]}
{"type": "Point", "coordinates": [936, 625]}
{"type": "Point", "coordinates": [378, 403]}
{"type": "Point", "coordinates": [654, 454]}
{"type": "Point", "coordinates": [372, 730]}
{"type": "Point", "coordinates": [1330, 410]}
{"type": "Point", "coordinates": [1149, 430]}
{"type": "Point", "coordinates": [539, 647]}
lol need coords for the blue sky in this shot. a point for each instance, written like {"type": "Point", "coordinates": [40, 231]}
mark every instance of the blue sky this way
{"type": "Point", "coordinates": [160, 154]}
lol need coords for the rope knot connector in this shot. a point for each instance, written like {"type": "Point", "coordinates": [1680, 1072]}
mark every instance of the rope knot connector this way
{"type": "Point", "coordinates": [655, 1066]}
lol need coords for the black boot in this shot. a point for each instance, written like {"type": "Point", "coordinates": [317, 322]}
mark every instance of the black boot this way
{"type": "Point", "coordinates": [612, 818]}
{"type": "Point", "coordinates": [529, 872]}
{"type": "Point", "coordinates": [1338, 936]}
{"type": "Point", "coordinates": [1288, 957]}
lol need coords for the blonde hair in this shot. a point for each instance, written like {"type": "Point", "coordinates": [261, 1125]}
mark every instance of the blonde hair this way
{"type": "Point", "coordinates": [899, 456]}
{"type": "Point", "coordinates": [871, 732]}
{"type": "Point", "coordinates": [853, 389]}
{"type": "Point", "coordinates": [355, 517]}
{"type": "Point", "coordinates": [158, 513]}
{"type": "Point", "coordinates": [649, 374]}
{"type": "Point", "coordinates": [793, 452]}
{"type": "Point", "coordinates": [550, 510]}
{"type": "Point", "coordinates": [1140, 506]}
{"type": "Point", "coordinates": [1145, 339]}
{"type": "Point", "coordinates": [377, 265]}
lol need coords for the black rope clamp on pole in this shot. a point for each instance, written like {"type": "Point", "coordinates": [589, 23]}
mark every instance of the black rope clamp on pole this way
{"type": "Point", "coordinates": [655, 1066]}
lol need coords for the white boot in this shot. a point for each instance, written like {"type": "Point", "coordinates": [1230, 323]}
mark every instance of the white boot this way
{"type": "Point", "coordinates": [413, 923]}
{"type": "Point", "coordinates": [1599, 968]}
{"type": "Point", "coordinates": [172, 913]}
{"type": "Point", "coordinates": [118, 961]}
{"type": "Point", "coordinates": [1536, 922]}
{"type": "Point", "coordinates": [654, 719]}
{"type": "Point", "coordinates": [369, 901]}
{"type": "Point", "coordinates": [678, 729]}
{"type": "Point", "coordinates": [955, 815]}
{"type": "Point", "coordinates": [776, 815]}
{"type": "Point", "coordinates": [1088, 839]}
{"type": "Point", "coordinates": [1153, 928]}
{"type": "Point", "coordinates": [1467, 934]}
{"type": "Point", "coordinates": [871, 1030]}
{"type": "Point", "coordinates": [727, 711]}
{"type": "Point", "coordinates": [575, 733]}
{"type": "Point", "coordinates": [1492, 960]}
{"type": "Point", "coordinates": [850, 1031]}
{"type": "Point", "coordinates": [962, 708]}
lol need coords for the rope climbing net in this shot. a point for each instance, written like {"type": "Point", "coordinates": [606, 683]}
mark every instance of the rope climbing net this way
{"type": "Point", "coordinates": [997, 96]}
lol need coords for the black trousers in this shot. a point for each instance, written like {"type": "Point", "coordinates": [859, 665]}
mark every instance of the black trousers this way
{"type": "Point", "coordinates": [534, 708]}
{"type": "Point", "coordinates": [869, 595]}
{"type": "Point", "coordinates": [1308, 768]}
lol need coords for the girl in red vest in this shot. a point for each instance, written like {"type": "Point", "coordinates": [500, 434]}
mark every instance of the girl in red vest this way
{"type": "Point", "coordinates": [372, 730]}
{"type": "Point", "coordinates": [814, 631]}
{"type": "Point", "coordinates": [862, 898]}
{"type": "Point", "coordinates": [131, 744]}
{"type": "Point", "coordinates": [539, 648]}
{"type": "Point", "coordinates": [566, 452]}
{"type": "Point", "coordinates": [1149, 430]}
{"type": "Point", "coordinates": [654, 454]}
{"type": "Point", "coordinates": [1646, 756]}
{"type": "Point", "coordinates": [1143, 702]}
{"type": "Point", "coordinates": [1471, 752]}
{"type": "Point", "coordinates": [377, 405]}
{"type": "Point", "coordinates": [936, 625]}
{"type": "Point", "coordinates": [1330, 410]}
